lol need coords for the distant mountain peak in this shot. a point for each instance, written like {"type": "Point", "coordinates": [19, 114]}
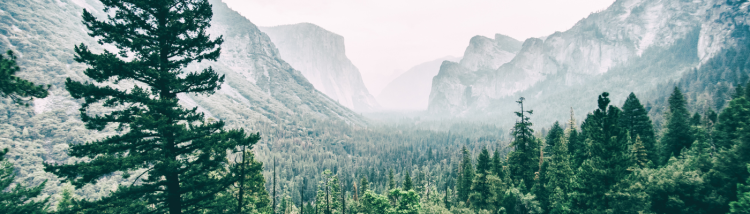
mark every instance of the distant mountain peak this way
{"type": "Point", "coordinates": [320, 55]}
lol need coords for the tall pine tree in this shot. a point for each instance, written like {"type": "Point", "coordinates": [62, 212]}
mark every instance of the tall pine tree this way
{"type": "Point", "coordinates": [609, 158]}
{"type": "Point", "coordinates": [467, 176]}
{"type": "Point", "coordinates": [635, 120]}
{"type": "Point", "coordinates": [175, 146]}
{"type": "Point", "coordinates": [524, 161]}
{"type": "Point", "coordinates": [677, 135]}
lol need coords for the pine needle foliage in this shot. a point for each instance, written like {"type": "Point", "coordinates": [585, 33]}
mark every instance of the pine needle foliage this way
{"type": "Point", "coordinates": [14, 87]}
{"type": "Point", "coordinates": [177, 147]}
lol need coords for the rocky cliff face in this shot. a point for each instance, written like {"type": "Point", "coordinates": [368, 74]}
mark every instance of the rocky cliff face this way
{"type": "Point", "coordinates": [411, 90]}
{"type": "Point", "coordinates": [320, 56]}
{"type": "Point", "coordinates": [591, 48]}
{"type": "Point", "coordinates": [458, 79]}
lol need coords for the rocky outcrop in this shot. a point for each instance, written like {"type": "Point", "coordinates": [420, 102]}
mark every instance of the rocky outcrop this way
{"type": "Point", "coordinates": [411, 90]}
{"type": "Point", "coordinates": [457, 79]}
{"type": "Point", "coordinates": [591, 48]}
{"type": "Point", "coordinates": [320, 56]}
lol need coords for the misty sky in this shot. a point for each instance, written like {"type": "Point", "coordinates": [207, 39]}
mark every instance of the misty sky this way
{"type": "Point", "coordinates": [386, 37]}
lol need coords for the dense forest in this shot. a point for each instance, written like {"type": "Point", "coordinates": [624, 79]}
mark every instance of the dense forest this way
{"type": "Point", "coordinates": [132, 148]}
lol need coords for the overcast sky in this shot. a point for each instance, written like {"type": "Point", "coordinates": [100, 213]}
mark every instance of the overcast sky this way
{"type": "Point", "coordinates": [386, 37]}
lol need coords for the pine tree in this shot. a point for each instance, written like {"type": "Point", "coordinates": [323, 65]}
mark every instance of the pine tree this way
{"type": "Point", "coordinates": [446, 198]}
{"type": "Point", "coordinates": [482, 194]}
{"type": "Point", "coordinates": [695, 120]}
{"type": "Point", "coordinates": [391, 182]}
{"type": "Point", "coordinates": [635, 120]}
{"type": "Point", "coordinates": [483, 162]}
{"type": "Point", "coordinates": [365, 185]}
{"type": "Point", "coordinates": [639, 154]}
{"type": "Point", "coordinates": [738, 92]}
{"type": "Point", "coordinates": [251, 195]}
{"type": "Point", "coordinates": [18, 198]}
{"type": "Point", "coordinates": [497, 164]}
{"type": "Point", "coordinates": [408, 185]}
{"type": "Point", "coordinates": [157, 40]}
{"type": "Point", "coordinates": [731, 120]}
{"type": "Point", "coordinates": [467, 176]}
{"type": "Point", "coordinates": [560, 177]}
{"type": "Point", "coordinates": [524, 161]}
{"type": "Point", "coordinates": [609, 160]}
{"type": "Point", "coordinates": [16, 88]}
{"type": "Point", "coordinates": [429, 154]}
{"type": "Point", "coordinates": [742, 205]}
{"type": "Point", "coordinates": [677, 135]}
{"type": "Point", "coordinates": [556, 133]}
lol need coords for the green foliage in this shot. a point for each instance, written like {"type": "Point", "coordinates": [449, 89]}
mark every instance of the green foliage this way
{"type": "Point", "coordinates": [18, 199]}
{"type": "Point", "coordinates": [14, 87]}
{"type": "Point", "coordinates": [742, 205]}
{"type": "Point", "coordinates": [609, 159]}
{"type": "Point", "coordinates": [408, 185]}
{"type": "Point", "coordinates": [184, 156]}
{"type": "Point", "coordinates": [373, 203]}
{"type": "Point", "coordinates": [635, 120]}
{"type": "Point", "coordinates": [677, 135]}
{"type": "Point", "coordinates": [466, 177]}
{"type": "Point", "coordinates": [524, 161]}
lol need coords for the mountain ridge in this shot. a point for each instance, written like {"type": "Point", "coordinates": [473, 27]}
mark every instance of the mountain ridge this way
{"type": "Point", "coordinates": [320, 55]}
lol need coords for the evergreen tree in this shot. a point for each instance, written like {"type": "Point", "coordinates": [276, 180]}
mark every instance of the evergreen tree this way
{"type": "Point", "coordinates": [731, 120]}
{"type": "Point", "coordinates": [695, 120]}
{"type": "Point", "coordinates": [524, 161]}
{"type": "Point", "coordinates": [482, 193]}
{"type": "Point", "coordinates": [483, 162]}
{"type": "Point", "coordinates": [639, 154]}
{"type": "Point", "coordinates": [609, 160]}
{"type": "Point", "coordinates": [577, 149]}
{"type": "Point", "coordinates": [497, 164]}
{"type": "Point", "coordinates": [446, 198]}
{"type": "Point", "coordinates": [19, 198]}
{"type": "Point", "coordinates": [554, 136]}
{"type": "Point", "coordinates": [391, 182]}
{"type": "Point", "coordinates": [738, 92]}
{"type": "Point", "coordinates": [408, 185]}
{"type": "Point", "coordinates": [677, 135]}
{"type": "Point", "coordinates": [179, 150]}
{"type": "Point", "coordinates": [559, 178]}
{"type": "Point", "coordinates": [365, 185]}
{"type": "Point", "coordinates": [742, 205]}
{"type": "Point", "coordinates": [467, 176]}
{"type": "Point", "coordinates": [14, 87]}
{"type": "Point", "coordinates": [249, 191]}
{"type": "Point", "coordinates": [635, 120]}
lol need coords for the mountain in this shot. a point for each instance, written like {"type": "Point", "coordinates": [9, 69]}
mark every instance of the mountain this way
{"type": "Point", "coordinates": [261, 92]}
{"type": "Point", "coordinates": [259, 84]}
{"type": "Point", "coordinates": [411, 90]}
{"type": "Point", "coordinates": [321, 57]}
{"type": "Point", "coordinates": [458, 79]}
{"type": "Point", "coordinates": [632, 46]}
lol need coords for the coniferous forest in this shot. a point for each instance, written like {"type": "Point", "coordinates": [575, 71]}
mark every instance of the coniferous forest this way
{"type": "Point", "coordinates": [131, 146]}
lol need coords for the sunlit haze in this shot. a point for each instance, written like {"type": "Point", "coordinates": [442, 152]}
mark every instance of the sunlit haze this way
{"type": "Point", "coordinates": [386, 37]}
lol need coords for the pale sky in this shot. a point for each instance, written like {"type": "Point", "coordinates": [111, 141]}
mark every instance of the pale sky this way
{"type": "Point", "coordinates": [386, 37]}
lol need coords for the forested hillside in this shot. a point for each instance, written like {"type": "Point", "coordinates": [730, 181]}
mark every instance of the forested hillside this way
{"type": "Point", "coordinates": [197, 115]}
